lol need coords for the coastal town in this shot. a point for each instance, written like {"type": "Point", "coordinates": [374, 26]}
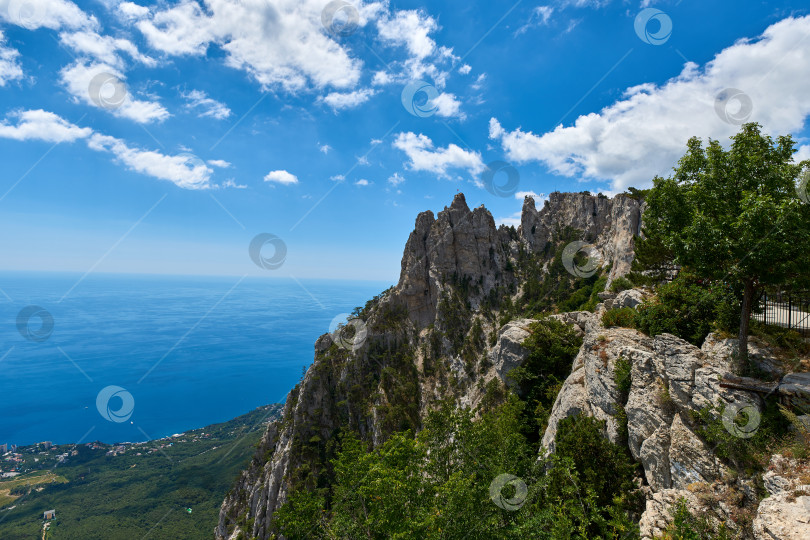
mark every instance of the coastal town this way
{"type": "Point", "coordinates": [34, 478]}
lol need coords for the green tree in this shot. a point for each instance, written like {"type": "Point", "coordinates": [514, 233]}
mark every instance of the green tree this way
{"type": "Point", "coordinates": [734, 216]}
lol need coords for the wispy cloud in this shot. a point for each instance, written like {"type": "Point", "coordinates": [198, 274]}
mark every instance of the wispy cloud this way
{"type": "Point", "coordinates": [182, 170]}
{"type": "Point", "coordinates": [10, 68]}
{"type": "Point", "coordinates": [82, 80]}
{"type": "Point", "coordinates": [199, 102]}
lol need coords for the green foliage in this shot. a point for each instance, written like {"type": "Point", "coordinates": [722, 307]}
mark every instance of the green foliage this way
{"type": "Point", "coordinates": [622, 376]}
{"type": "Point", "coordinates": [552, 347]}
{"type": "Point", "coordinates": [132, 496]}
{"type": "Point", "coordinates": [624, 317]}
{"type": "Point", "coordinates": [689, 308]}
{"type": "Point", "coordinates": [686, 526]}
{"type": "Point", "coordinates": [436, 485]}
{"type": "Point", "coordinates": [800, 446]}
{"type": "Point", "coordinates": [635, 193]}
{"type": "Point", "coordinates": [365, 311]}
{"type": "Point", "coordinates": [474, 346]}
{"type": "Point", "coordinates": [454, 314]}
{"type": "Point", "coordinates": [735, 215]}
{"type": "Point", "coordinates": [653, 262]}
{"type": "Point", "coordinates": [548, 286]}
{"type": "Point", "coordinates": [620, 284]}
{"type": "Point", "coordinates": [745, 454]}
{"type": "Point", "coordinates": [781, 337]}
{"type": "Point", "coordinates": [603, 466]}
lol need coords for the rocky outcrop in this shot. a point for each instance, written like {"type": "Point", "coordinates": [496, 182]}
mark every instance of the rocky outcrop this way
{"type": "Point", "coordinates": [460, 243]}
{"type": "Point", "coordinates": [670, 381]}
{"type": "Point", "coordinates": [785, 513]}
{"type": "Point", "coordinates": [457, 248]}
{"type": "Point", "coordinates": [609, 224]}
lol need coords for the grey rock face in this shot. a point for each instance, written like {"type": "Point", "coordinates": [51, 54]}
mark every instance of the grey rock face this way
{"type": "Point", "coordinates": [628, 299]}
{"type": "Point", "coordinates": [609, 224]}
{"type": "Point", "coordinates": [785, 514]}
{"type": "Point", "coordinates": [657, 515]}
{"type": "Point", "coordinates": [669, 378]}
{"type": "Point", "coordinates": [508, 353]}
{"type": "Point", "coordinates": [456, 244]}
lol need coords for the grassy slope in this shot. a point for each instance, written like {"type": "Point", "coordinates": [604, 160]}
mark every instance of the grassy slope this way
{"type": "Point", "coordinates": [130, 496]}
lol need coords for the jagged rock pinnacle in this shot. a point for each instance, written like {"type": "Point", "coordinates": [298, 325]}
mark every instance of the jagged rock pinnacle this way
{"type": "Point", "coordinates": [460, 203]}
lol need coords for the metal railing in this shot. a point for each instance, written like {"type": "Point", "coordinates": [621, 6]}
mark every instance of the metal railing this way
{"type": "Point", "coordinates": [787, 309]}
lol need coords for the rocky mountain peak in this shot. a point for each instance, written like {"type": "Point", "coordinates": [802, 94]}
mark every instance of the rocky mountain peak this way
{"type": "Point", "coordinates": [456, 250]}
{"type": "Point", "coordinates": [459, 203]}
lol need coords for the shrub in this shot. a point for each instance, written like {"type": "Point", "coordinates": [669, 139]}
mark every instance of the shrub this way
{"type": "Point", "coordinates": [689, 308]}
{"type": "Point", "coordinates": [746, 454]}
{"type": "Point", "coordinates": [620, 284]}
{"type": "Point", "coordinates": [686, 526]}
{"type": "Point", "coordinates": [780, 337]}
{"type": "Point", "coordinates": [552, 347]}
{"type": "Point", "coordinates": [621, 375]}
{"type": "Point", "coordinates": [603, 466]}
{"type": "Point", "coordinates": [625, 317]}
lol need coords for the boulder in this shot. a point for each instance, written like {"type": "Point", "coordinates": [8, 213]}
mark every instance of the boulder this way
{"type": "Point", "coordinates": [629, 298]}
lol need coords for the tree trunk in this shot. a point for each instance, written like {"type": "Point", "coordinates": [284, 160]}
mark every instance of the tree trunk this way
{"type": "Point", "coordinates": [745, 317]}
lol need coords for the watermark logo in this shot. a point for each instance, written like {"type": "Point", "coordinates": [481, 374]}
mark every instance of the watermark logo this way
{"type": "Point", "coordinates": [651, 18]}
{"type": "Point", "coordinates": [348, 332]}
{"type": "Point", "coordinates": [340, 18]}
{"type": "Point", "coordinates": [505, 189]}
{"type": "Point", "coordinates": [31, 332]}
{"type": "Point", "coordinates": [26, 13]}
{"type": "Point", "coordinates": [518, 498]}
{"type": "Point", "coordinates": [803, 187]}
{"type": "Point", "coordinates": [733, 106]}
{"type": "Point", "coordinates": [105, 403]}
{"type": "Point", "coordinates": [572, 259]}
{"type": "Point", "coordinates": [749, 412]}
{"type": "Point", "coordinates": [257, 251]}
{"type": "Point", "coordinates": [191, 161]}
{"type": "Point", "coordinates": [107, 91]}
{"type": "Point", "coordinates": [418, 98]}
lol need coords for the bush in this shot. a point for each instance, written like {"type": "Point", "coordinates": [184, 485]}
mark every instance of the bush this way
{"type": "Point", "coordinates": [772, 432]}
{"type": "Point", "coordinates": [686, 526]}
{"type": "Point", "coordinates": [689, 308]}
{"type": "Point", "coordinates": [602, 466]}
{"type": "Point", "coordinates": [625, 317]}
{"type": "Point", "coordinates": [780, 337]}
{"type": "Point", "coordinates": [621, 375]}
{"type": "Point", "coordinates": [552, 347]}
{"type": "Point", "coordinates": [620, 284]}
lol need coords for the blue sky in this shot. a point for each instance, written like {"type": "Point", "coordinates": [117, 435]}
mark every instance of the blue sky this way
{"type": "Point", "coordinates": [162, 137]}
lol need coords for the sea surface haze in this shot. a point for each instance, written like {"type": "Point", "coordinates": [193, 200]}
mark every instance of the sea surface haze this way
{"type": "Point", "coordinates": [190, 351]}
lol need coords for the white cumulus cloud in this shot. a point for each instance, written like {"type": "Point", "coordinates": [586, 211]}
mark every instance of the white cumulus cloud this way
{"type": "Point", "coordinates": [281, 177]}
{"type": "Point", "coordinates": [424, 156]}
{"type": "Point", "coordinates": [53, 14]}
{"type": "Point", "coordinates": [280, 43]}
{"type": "Point", "coordinates": [644, 133]}
{"type": "Point", "coordinates": [42, 125]}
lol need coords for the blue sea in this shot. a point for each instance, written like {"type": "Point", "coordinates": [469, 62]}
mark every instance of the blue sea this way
{"type": "Point", "coordinates": [137, 357]}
